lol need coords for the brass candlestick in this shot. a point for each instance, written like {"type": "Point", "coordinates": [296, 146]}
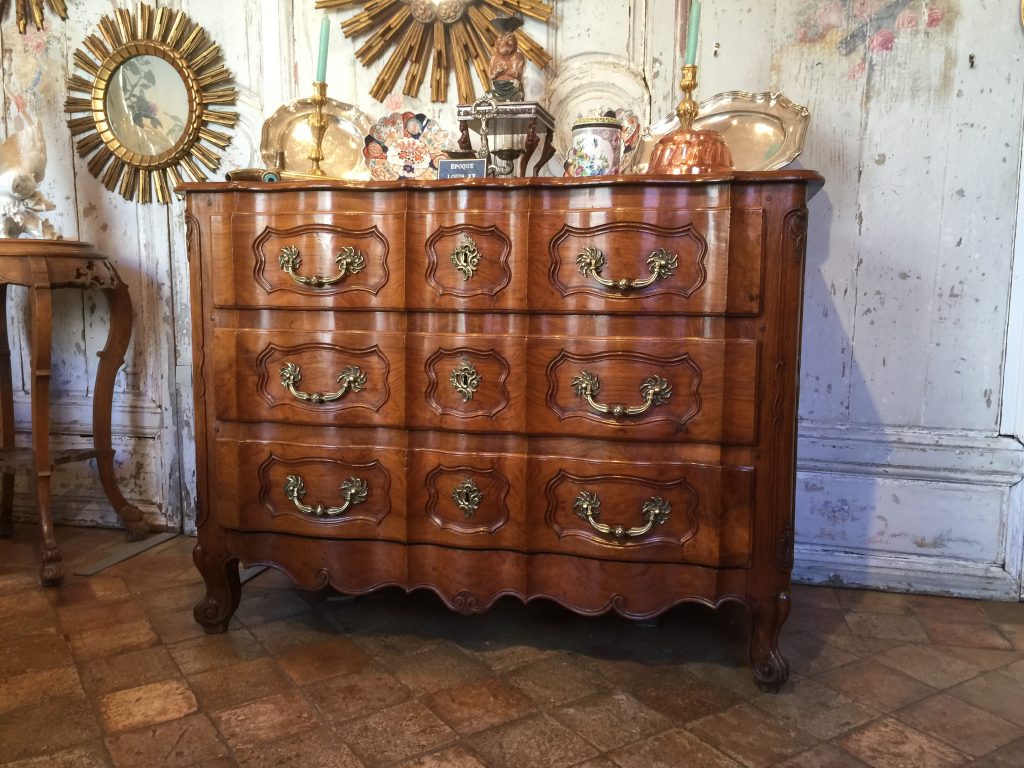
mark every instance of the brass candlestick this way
{"type": "Point", "coordinates": [687, 109]}
{"type": "Point", "coordinates": [686, 151]}
{"type": "Point", "coordinates": [317, 127]}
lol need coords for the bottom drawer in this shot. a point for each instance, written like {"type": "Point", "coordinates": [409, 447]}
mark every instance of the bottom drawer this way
{"type": "Point", "coordinates": [685, 513]}
{"type": "Point", "coordinates": [340, 492]}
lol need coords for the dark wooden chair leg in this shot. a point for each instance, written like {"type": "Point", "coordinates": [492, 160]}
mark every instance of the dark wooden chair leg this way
{"type": "Point", "coordinates": [111, 360]}
{"type": "Point", "coordinates": [6, 420]}
{"type": "Point", "coordinates": [770, 667]}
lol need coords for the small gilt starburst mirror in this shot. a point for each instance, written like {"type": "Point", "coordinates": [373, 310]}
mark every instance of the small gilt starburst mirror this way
{"type": "Point", "coordinates": [440, 35]}
{"type": "Point", "coordinates": [153, 88]}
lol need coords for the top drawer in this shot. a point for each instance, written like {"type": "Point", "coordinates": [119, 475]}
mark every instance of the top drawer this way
{"type": "Point", "coordinates": [467, 249]}
{"type": "Point", "coordinates": [698, 261]}
{"type": "Point", "coordinates": [308, 261]}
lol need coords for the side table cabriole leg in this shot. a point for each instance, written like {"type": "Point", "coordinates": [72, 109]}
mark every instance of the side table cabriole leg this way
{"type": "Point", "coordinates": [111, 360]}
{"type": "Point", "coordinates": [6, 420]}
{"type": "Point", "coordinates": [41, 313]}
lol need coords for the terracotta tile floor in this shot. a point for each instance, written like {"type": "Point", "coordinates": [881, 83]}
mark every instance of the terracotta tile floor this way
{"type": "Point", "coordinates": [112, 671]}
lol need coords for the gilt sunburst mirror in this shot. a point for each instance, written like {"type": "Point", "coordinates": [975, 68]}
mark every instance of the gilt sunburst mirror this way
{"type": "Point", "coordinates": [24, 10]}
{"type": "Point", "coordinates": [151, 108]}
{"type": "Point", "coordinates": [439, 35]}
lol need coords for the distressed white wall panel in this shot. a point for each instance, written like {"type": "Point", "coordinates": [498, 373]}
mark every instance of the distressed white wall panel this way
{"type": "Point", "coordinates": [977, 224]}
{"type": "Point", "coordinates": [746, 40]}
{"type": "Point", "coordinates": [896, 264]}
{"type": "Point", "coordinates": [585, 29]}
{"type": "Point", "coordinates": [813, 74]}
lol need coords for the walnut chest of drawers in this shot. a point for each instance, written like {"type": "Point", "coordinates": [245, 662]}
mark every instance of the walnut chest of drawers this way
{"type": "Point", "coordinates": [578, 390]}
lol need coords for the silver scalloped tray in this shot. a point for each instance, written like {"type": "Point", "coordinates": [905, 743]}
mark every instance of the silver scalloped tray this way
{"type": "Point", "coordinates": [287, 130]}
{"type": "Point", "coordinates": [764, 131]}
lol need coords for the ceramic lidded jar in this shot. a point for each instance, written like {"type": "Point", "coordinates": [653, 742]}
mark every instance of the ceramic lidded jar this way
{"type": "Point", "coordinates": [596, 147]}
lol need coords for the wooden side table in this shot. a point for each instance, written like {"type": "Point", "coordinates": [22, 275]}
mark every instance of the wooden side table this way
{"type": "Point", "coordinates": [41, 266]}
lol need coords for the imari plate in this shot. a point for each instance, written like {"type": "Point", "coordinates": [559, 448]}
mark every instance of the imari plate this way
{"type": "Point", "coordinates": [405, 145]}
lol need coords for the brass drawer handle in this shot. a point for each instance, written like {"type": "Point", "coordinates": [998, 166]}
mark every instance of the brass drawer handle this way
{"type": "Point", "coordinates": [655, 511]}
{"type": "Point", "coordinates": [354, 491]}
{"type": "Point", "coordinates": [349, 260]}
{"type": "Point", "coordinates": [592, 262]}
{"type": "Point", "coordinates": [654, 389]}
{"type": "Point", "coordinates": [351, 379]}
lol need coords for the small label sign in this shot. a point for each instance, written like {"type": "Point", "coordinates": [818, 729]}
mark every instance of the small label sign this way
{"type": "Point", "coordinates": [461, 169]}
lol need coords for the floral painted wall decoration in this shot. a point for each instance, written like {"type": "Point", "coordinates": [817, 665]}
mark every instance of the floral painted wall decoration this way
{"type": "Point", "coordinates": [862, 27]}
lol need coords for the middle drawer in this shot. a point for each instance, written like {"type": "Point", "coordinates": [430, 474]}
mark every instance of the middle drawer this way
{"type": "Point", "coordinates": [323, 378]}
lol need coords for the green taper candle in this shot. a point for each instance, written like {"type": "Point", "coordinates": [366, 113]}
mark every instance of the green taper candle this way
{"type": "Point", "coordinates": [693, 29]}
{"type": "Point", "coordinates": [321, 64]}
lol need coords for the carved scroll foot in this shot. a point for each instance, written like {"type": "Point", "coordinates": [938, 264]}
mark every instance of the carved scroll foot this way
{"type": "Point", "coordinates": [137, 528]}
{"type": "Point", "coordinates": [770, 667]}
{"type": "Point", "coordinates": [52, 571]}
{"type": "Point", "coordinates": [223, 591]}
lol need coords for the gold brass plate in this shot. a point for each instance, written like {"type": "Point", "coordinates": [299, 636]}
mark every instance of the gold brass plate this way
{"type": "Point", "coordinates": [351, 378]}
{"type": "Point", "coordinates": [654, 390]}
{"type": "Point", "coordinates": [466, 257]}
{"type": "Point", "coordinates": [354, 491]}
{"type": "Point", "coordinates": [655, 511]}
{"type": "Point", "coordinates": [153, 87]}
{"type": "Point", "coordinates": [592, 262]}
{"type": "Point", "coordinates": [467, 497]}
{"type": "Point", "coordinates": [350, 261]}
{"type": "Point", "coordinates": [465, 380]}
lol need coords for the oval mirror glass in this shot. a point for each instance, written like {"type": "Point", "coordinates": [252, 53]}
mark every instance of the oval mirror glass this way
{"type": "Point", "coordinates": [147, 105]}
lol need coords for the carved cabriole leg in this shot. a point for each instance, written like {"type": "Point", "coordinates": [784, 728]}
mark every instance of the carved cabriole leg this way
{"type": "Point", "coordinates": [223, 589]}
{"type": "Point", "coordinates": [41, 314]}
{"type": "Point", "coordinates": [770, 667]}
{"type": "Point", "coordinates": [111, 360]}
{"type": "Point", "coordinates": [6, 420]}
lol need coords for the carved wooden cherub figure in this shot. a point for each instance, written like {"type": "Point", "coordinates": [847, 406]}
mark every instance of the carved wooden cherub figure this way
{"type": "Point", "coordinates": [507, 62]}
